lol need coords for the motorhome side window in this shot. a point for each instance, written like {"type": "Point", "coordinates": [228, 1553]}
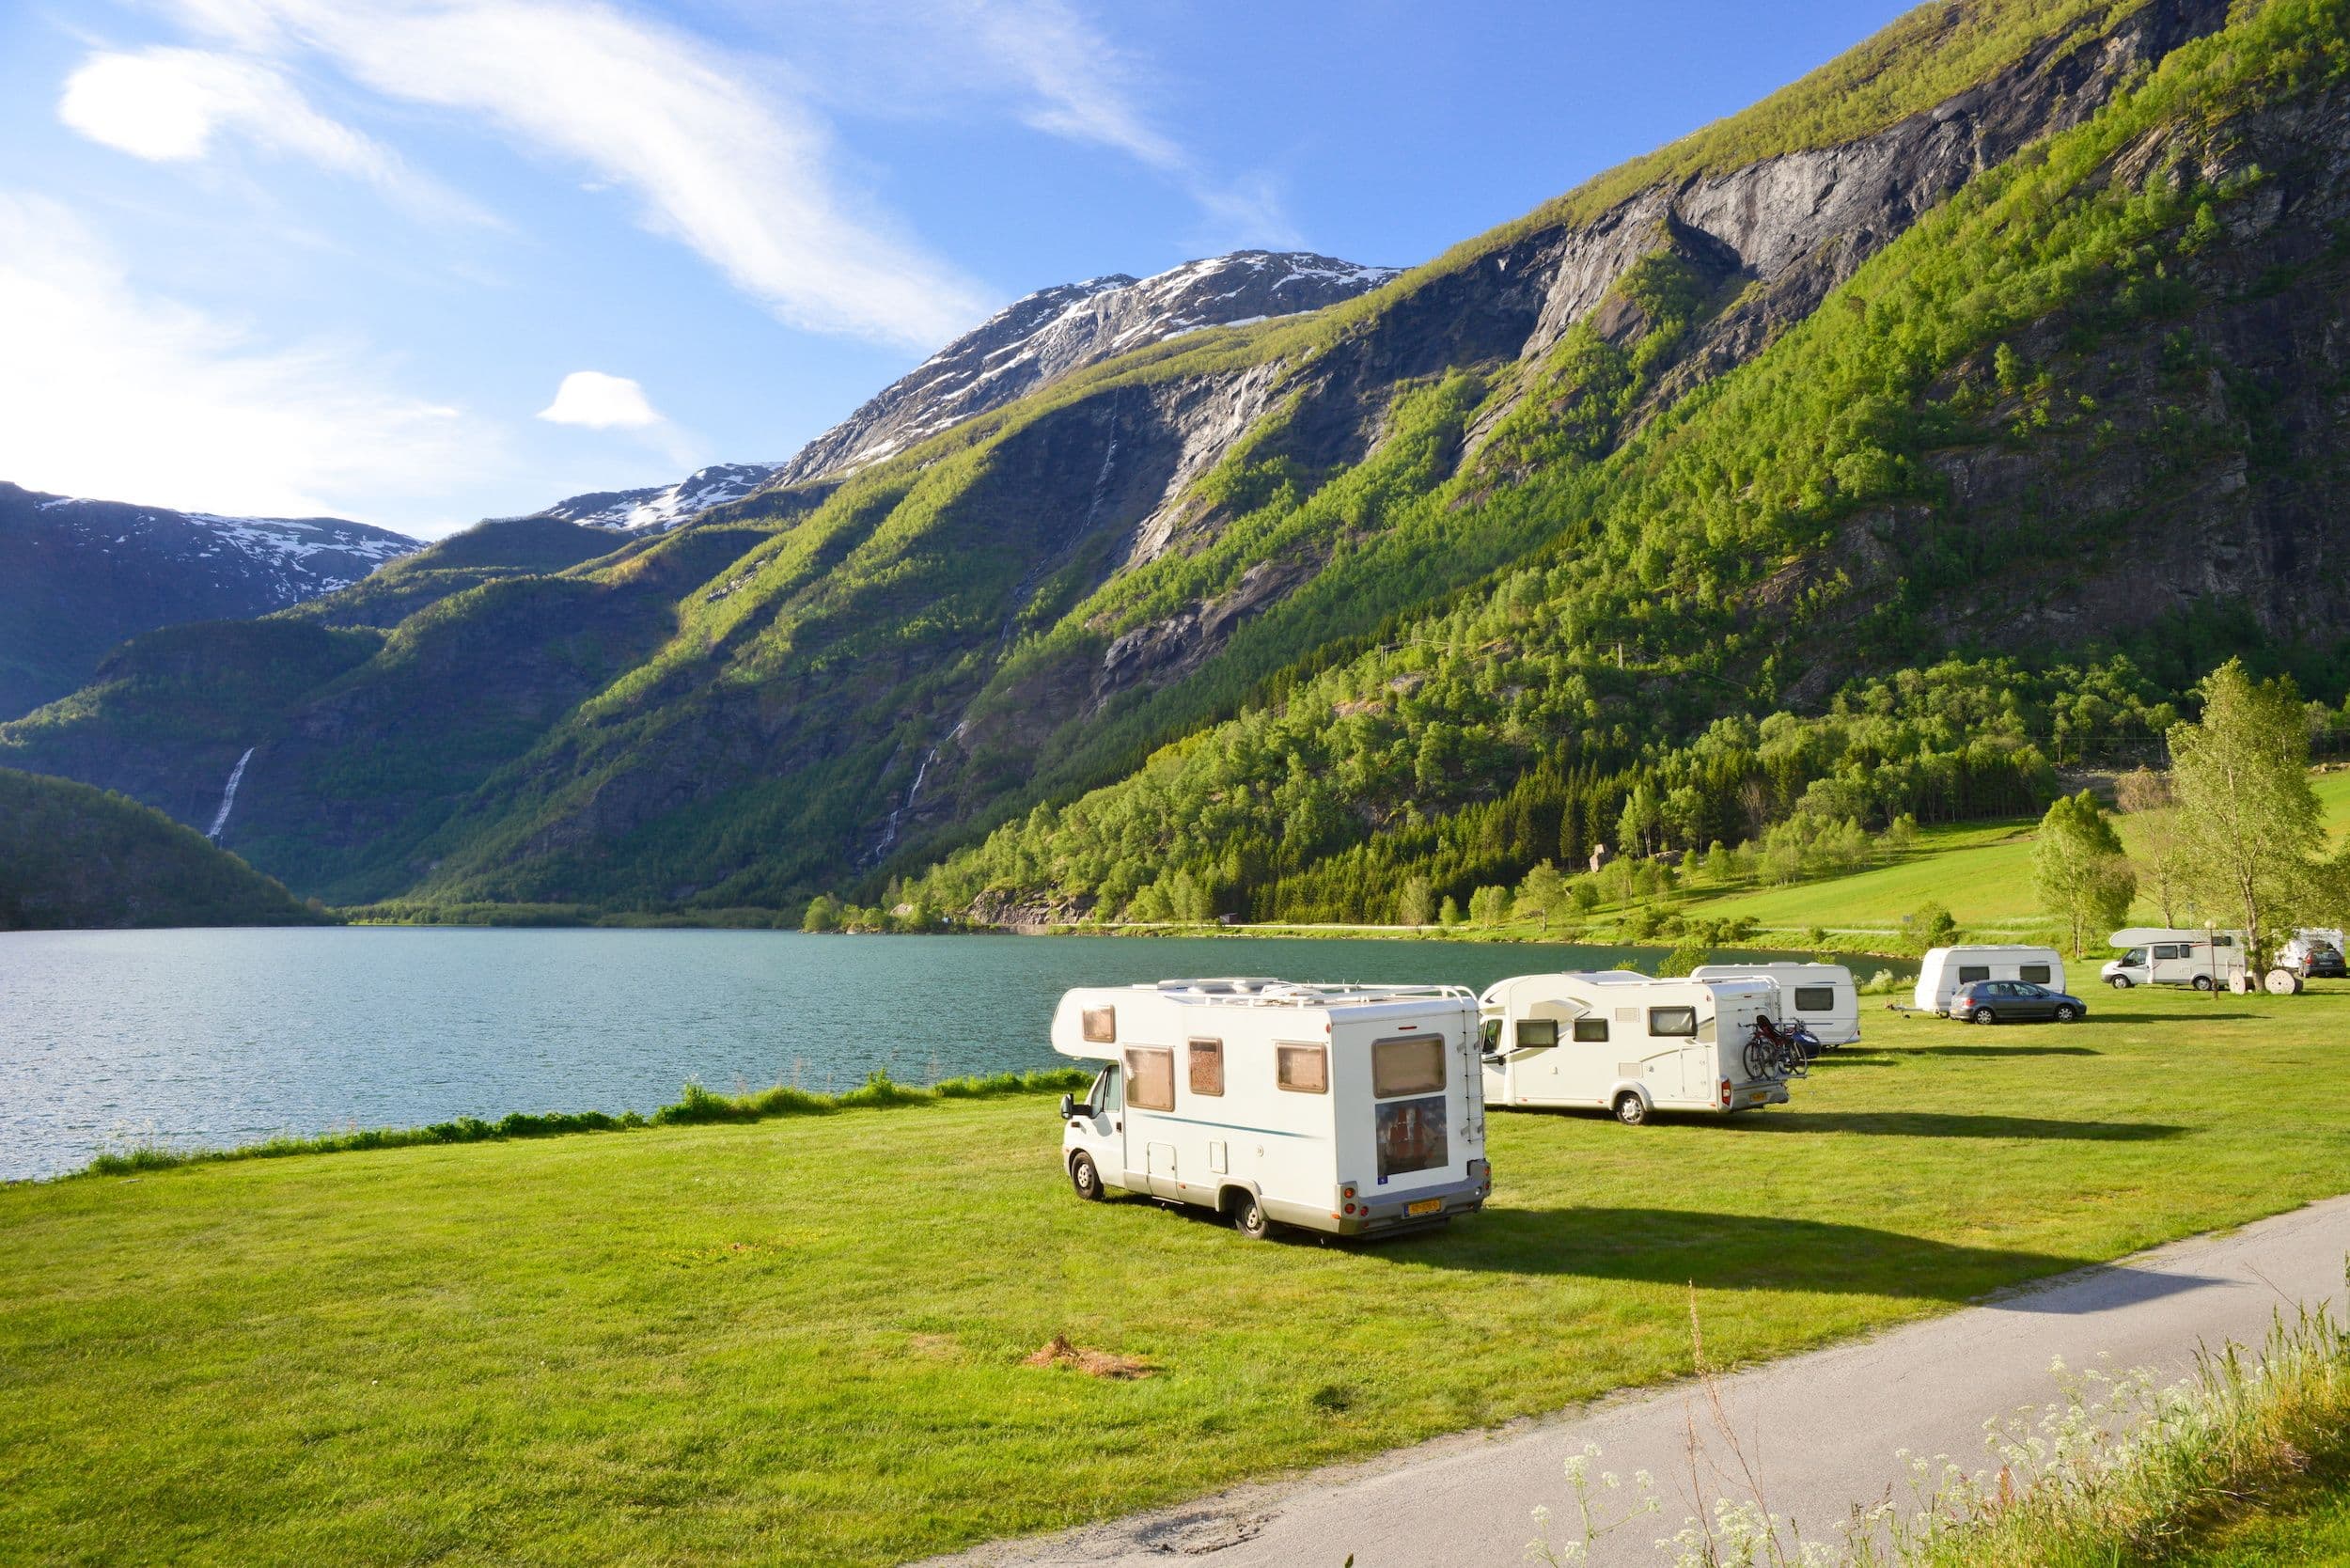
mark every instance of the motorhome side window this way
{"type": "Point", "coordinates": [2221, 941]}
{"type": "Point", "coordinates": [1101, 1024]}
{"type": "Point", "coordinates": [1672, 1020]}
{"type": "Point", "coordinates": [1303, 1069]}
{"type": "Point", "coordinates": [2170, 949]}
{"type": "Point", "coordinates": [1969, 973]}
{"type": "Point", "coordinates": [2036, 973]}
{"type": "Point", "coordinates": [1815, 998]}
{"type": "Point", "coordinates": [1206, 1059]}
{"type": "Point", "coordinates": [1414, 1066]}
{"type": "Point", "coordinates": [1151, 1079]}
{"type": "Point", "coordinates": [1534, 1033]}
{"type": "Point", "coordinates": [1592, 1031]}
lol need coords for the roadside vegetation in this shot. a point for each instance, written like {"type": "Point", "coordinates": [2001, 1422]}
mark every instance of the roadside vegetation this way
{"type": "Point", "coordinates": [803, 1336]}
{"type": "Point", "coordinates": [2244, 1462]}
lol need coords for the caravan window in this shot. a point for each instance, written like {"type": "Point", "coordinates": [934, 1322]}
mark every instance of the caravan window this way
{"type": "Point", "coordinates": [2036, 973]}
{"type": "Point", "coordinates": [1303, 1069]}
{"type": "Point", "coordinates": [1151, 1079]}
{"type": "Point", "coordinates": [1101, 1024]}
{"type": "Point", "coordinates": [1537, 1033]}
{"type": "Point", "coordinates": [1206, 1059]}
{"type": "Point", "coordinates": [1672, 1020]}
{"type": "Point", "coordinates": [1969, 973]}
{"type": "Point", "coordinates": [1815, 998]}
{"type": "Point", "coordinates": [1592, 1031]}
{"type": "Point", "coordinates": [1414, 1066]}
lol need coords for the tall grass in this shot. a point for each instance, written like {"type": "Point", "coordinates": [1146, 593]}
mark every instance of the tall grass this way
{"type": "Point", "coordinates": [695, 1105]}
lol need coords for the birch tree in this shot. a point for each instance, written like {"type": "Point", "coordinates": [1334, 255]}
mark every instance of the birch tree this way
{"type": "Point", "coordinates": [2248, 821]}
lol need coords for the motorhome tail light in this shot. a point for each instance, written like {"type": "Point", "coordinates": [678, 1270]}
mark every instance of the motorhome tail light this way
{"type": "Point", "coordinates": [1347, 1191]}
{"type": "Point", "coordinates": [1725, 1092]}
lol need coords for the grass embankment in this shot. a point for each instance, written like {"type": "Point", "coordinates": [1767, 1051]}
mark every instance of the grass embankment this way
{"type": "Point", "coordinates": [695, 1106]}
{"type": "Point", "coordinates": [799, 1341]}
{"type": "Point", "coordinates": [2247, 1463]}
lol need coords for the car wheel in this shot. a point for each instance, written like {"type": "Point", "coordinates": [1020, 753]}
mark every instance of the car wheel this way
{"type": "Point", "coordinates": [1082, 1176]}
{"type": "Point", "coordinates": [2202, 982]}
{"type": "Point", "coordinates": [2065, 1015]}
{"type": "Point", "coordinates": [1631, 1109]}
{"type": "Point", "coordinates": [1248, 1217]}
{"type": "Point", "coordinates": [1984, 1015]}
{"type": "Point", "coordinates": [2120, 983]}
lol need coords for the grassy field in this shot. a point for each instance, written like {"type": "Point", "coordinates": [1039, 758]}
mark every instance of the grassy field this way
{"type": "Point", "coordinates": [801, 1341]}
{"type": "Point", "coordinates": [2304, 1529]}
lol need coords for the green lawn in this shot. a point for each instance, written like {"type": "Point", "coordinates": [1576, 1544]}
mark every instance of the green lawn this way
{"type": "Point", "coordinates": [2303, 1529]}
{"type": "Point", "coordinates": [799, 1341]}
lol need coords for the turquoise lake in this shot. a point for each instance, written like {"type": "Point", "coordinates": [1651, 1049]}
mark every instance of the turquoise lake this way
{"type": "Point", "coordinates": [219, 1037]}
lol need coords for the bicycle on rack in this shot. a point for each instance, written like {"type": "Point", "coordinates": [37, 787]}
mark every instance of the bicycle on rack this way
{"type": "Point", "coordinates": [1776, 1052]}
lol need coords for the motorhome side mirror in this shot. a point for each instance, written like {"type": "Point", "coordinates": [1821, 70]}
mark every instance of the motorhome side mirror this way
{"type": "Point", "coordinates": [1068, 1107]}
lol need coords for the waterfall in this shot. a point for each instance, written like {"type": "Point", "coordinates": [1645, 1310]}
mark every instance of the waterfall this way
{"type": "Point", "coordinates": [228, 796]}
{"type": "Point", "coordinates": [889, 832]}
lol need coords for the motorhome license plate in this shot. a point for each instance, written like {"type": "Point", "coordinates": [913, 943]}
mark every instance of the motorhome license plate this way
{"type": "Point", "coordinates": [1425, 1206]}
{"type": "Point", "coordinates": [1758, 1097]}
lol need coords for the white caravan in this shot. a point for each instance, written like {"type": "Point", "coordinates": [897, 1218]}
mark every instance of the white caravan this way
{"type": "Point", "coordinates": [1352, 1109]}
{"type": "Point", "coordinates": [2160, 955]}
{"type": "Point", "coordinates": [1625, 1042]}
{"type": "Point", "coordinates": [1943, 970]}
{"type": "Point", "coordinates": [1821, 997]}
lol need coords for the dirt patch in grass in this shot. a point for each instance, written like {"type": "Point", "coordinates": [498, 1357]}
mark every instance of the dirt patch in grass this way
{"type": "Point", "coordinates": [1058, 1352]}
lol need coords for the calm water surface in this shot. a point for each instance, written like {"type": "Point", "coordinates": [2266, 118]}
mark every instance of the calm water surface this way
{"type": "Point", "coordinates": [224, 1037]}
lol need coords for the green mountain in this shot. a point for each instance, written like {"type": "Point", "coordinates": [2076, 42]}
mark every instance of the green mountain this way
{"type": "Point", "coordinates": [1934, 422]}
{"type": "Point", "coordinates": [72, 856]}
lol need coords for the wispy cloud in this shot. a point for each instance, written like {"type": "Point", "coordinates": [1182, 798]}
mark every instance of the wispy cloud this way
{"type": "Point", "coordinates": [172, 105]}
{"type": "Point", "coordinates": [114, 393]}
{"type": "Point", "coordinates": [740, 175]}
{"type": "Point", "coordinates": [1076, 84]}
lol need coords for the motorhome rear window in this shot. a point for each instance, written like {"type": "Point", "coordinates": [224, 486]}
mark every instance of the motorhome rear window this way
{"type": "Point", "coordinates": [1414, 1066]}
{"type": "Point", "coordinates": [1536, 1032]}
{"type": "Point", "coordinates": [2036, 973]}
{"type": "Point", "coordinates": [1101, 1024]}
{"type": "Point", "coordinates": [1303, 1069]}
{"type": "Point", "coordinates": [1815, 998]}
{"type": "Point", "coordinates": [1592, 1030]}
{"type": "Point", "coordinates": [1672, 1020]}
{"type": "Point", "coordinates": [1969, 973]}
{"type": "Point", "coordinates": [1151, 1079]}
{"type": "Point", "coordinates": [1205, 1058]}
{"type": "Point", "coordinates": [1412, 1136]}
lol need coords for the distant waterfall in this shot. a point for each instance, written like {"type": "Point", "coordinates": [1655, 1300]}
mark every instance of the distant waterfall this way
{"type": "Point", "coordinates": [228, 796]}
{"type": "Point", "coordinates": [889, 831]}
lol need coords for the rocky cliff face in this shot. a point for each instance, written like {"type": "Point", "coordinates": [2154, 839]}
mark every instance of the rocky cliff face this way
{"type": "Point", "coordinates": [1056, 331]}
{"type": "Point", "coordinates": [78, 576]}
{"type": "Point", "coordinates": [664, 505]}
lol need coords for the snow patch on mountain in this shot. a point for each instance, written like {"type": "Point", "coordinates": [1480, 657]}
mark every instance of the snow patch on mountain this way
{"type": "Point", "coordinates": [1032, 342]}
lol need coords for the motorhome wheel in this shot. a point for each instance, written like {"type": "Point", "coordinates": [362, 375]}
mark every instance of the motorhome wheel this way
{"type": "Point", "coordinates": [2202, 982]}
{"type": "Point", "coordinates": [2120, 983]}
{"type": "Point", "coordinates": [1248, 1217]}
{"type": "Point", "coordinates": [1082, 1176]}
{"type": "Point", "coordinates": [1631, 1109]}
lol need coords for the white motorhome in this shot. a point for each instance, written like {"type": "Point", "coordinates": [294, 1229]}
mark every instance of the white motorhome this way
{"type": "Point", "coordinates": [2208, 960]}
{"type": "Point", "coordinates": [1821, 997]}
{"type": "Point", "coordinates": [1352, 1109]}
{"type": "Point", "coordinates": [1943, 970]}
{"type": "Point", "coordinates": [1627, 1042]}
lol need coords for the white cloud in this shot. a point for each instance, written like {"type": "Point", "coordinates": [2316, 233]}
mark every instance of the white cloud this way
{"type": "Point", "coordinates": [170, 105]}
{"type": "Point", "coordinates": [600, 403]}
{"type": "Point", "coordinates": [739, 174]}
{"type": "Point", "coordinates": [117, 394]}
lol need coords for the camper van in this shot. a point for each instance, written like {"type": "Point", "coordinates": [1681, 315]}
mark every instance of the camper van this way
{"type": "Point", "coordinates": [1627, 1042]}
{"type": "Point", "coordinates": [1820, 997]}
{"type": "Point", "coordinates": [1945, 969]}
{"type": "Point", "coordinates": [1242, 1095]}
{"type": "Point", "coordinates": [2159, 955]}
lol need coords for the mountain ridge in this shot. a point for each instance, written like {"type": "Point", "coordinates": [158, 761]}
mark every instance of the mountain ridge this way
{"type": "Point", "coordinates": [1088, 584]}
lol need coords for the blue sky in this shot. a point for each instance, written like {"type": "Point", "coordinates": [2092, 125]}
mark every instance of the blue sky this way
{"type": "Point", "coordinates": [295, 255]}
